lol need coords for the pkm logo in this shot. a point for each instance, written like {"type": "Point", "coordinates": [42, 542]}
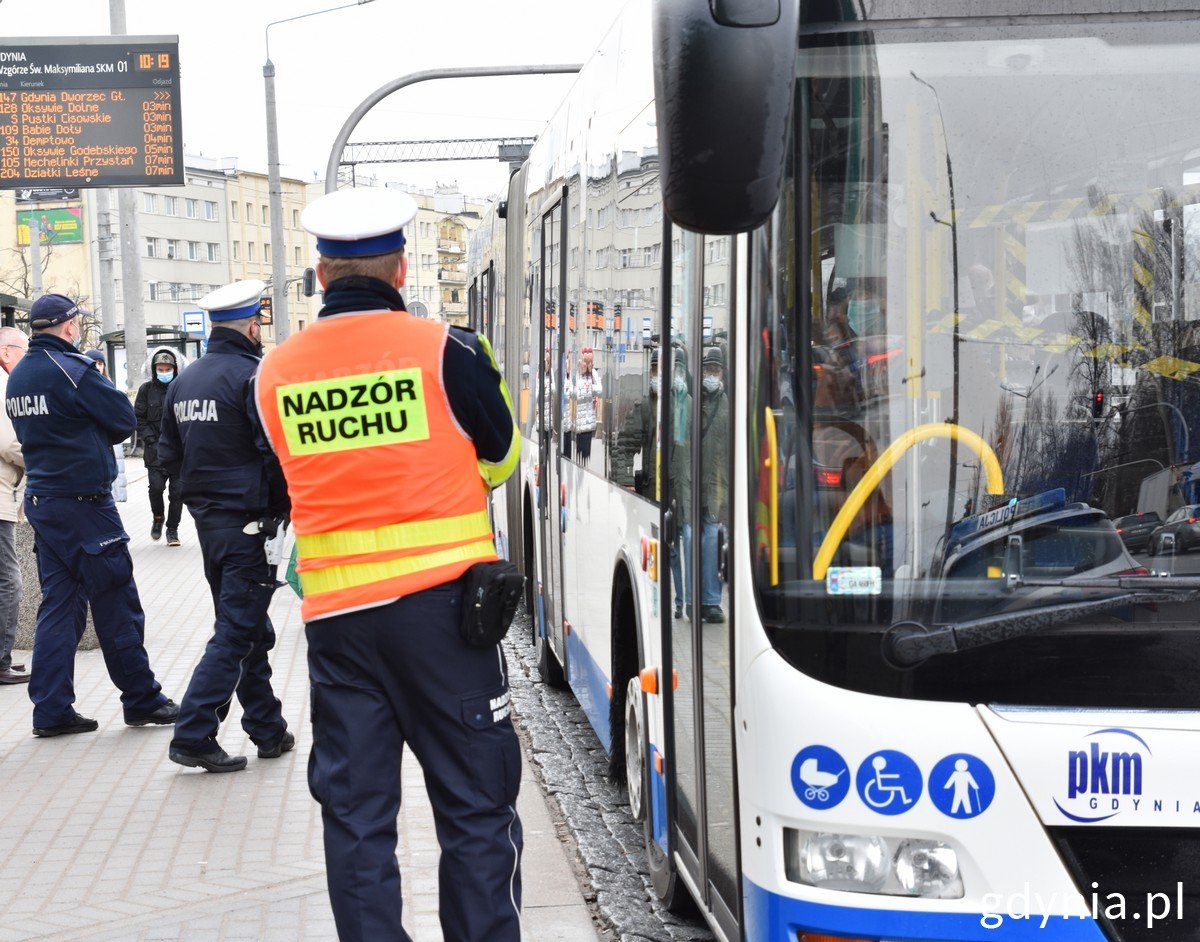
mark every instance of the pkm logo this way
{"type": "Point", "coordinates": [1097, 771]}
{"type": "Point", "coordinates": [1104, 776]}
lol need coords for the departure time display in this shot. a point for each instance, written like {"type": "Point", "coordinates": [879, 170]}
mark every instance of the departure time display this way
{"type": "Point", "coordinates": [89, 113]}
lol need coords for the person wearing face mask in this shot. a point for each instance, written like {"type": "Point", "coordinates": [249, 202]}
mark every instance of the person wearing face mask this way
{"type": "Point", "coordinates": [67, 418]}
{"type": "Point", "coordinates": [230, 479]}
{"type": "Point", "coordinates": [714, 484]}
{"type": "Point", "coordinates": [637, 435]}
{"type": "Point", "coordinates": [165, 365]}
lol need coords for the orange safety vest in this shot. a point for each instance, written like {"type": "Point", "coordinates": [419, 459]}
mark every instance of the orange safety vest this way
{"type": "Point", "coordinates": [387, 497]}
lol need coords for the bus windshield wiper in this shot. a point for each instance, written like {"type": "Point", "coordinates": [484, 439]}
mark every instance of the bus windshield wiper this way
{"type": "Point", "coordinates": [908, 643]}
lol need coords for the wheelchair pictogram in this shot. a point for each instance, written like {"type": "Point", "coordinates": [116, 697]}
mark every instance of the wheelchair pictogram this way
{"type": "Point", "coordinates": [889, 782]}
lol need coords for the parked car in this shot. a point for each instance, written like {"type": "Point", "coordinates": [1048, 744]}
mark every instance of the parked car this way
{"type": "Point", "coordinates": [1135, 529]}
{"type": "Point", "coordinates": [1184, 525]}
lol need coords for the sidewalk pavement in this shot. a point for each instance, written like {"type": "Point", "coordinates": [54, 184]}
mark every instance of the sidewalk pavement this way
{"type": "Point", "coordinates": [104, 838]}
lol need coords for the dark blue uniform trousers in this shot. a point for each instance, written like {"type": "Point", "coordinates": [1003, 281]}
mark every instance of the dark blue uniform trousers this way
{"type": "Point", "coordinates": [397, 674]}
{"type": "Point", "coordinates": [83, 556]}
{"type": "Point", "coordinates": [235, 659]}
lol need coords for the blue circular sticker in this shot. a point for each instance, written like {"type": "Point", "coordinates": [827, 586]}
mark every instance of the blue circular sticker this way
{"type": "Point", "coordinates": [820, 777]}
{"type": "Point", "coordinates": [961, 786]}
{"type": "Point", "coordinates": [888, 782]}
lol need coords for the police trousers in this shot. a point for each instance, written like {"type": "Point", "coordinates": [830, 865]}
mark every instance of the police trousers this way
{"type": "Point", "coordinates": [396, 674]}
{"type": "Point", "coordinates": [235, 659]}
{"type": "Point", "coordinates": [83, 557]}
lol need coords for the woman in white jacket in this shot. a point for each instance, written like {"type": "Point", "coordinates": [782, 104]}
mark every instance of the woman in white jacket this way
{"type": "Point", "coordinates": [120, 484]}
{"type": "Point", "coordinates": [586, 391]}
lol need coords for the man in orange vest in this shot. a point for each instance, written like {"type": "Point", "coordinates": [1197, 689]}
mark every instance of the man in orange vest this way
{"type": "Point", "coordinates": [391, 430]}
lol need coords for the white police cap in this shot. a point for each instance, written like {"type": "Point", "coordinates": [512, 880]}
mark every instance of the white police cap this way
{"type": "Point", "coordinates": [359, 222]}
{"type": "Point", "coordinates": [234, 302]}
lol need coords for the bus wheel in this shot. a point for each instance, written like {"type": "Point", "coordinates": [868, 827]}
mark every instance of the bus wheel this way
{"type": "Point", "coordinates": [549, 670]}
{"type": "Point", "coordinates": [636, 760]}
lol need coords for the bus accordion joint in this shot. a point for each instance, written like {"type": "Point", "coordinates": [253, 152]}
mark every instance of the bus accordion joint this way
{"type": "Point", "coordinates": [879, 469]}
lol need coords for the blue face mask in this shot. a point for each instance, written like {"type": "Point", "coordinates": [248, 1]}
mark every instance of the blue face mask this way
{"type": "Point", "coordinates": [165, 377]}
{"type": "Point", "coordinates": [863, 316]}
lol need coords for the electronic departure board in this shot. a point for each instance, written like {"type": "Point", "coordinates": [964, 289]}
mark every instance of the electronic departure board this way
{"type": "Point", "coordinates": [90, 112]}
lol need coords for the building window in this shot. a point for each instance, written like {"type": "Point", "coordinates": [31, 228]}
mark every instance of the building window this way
{"type": "Point", "coordinates": [172, 248]}
{"type": "Point", "coordinates": [233, 210]}
{"type": "Point", "coordinates": [297, 254]}
{"type": "Point", "coordinates": [151, 248]}
{"type": "Point", "coordinates": [300, 321]}
{"type": "Point", "coordinates": [148, 202]}
{"type": "Point", "coordinates": [266, 251]}
{"type": "Point", "coordinates": [295, 219]}
{"type": "Point", "coordinates": [249, 251]}
{"type": "Point", "coordinates": [214, 252]}
{"type": "Point", "coordinates": [191, 208]}
{"type": "Point", "coordinates": [266, 215]}
{"type": "Point", "coordinates": [235, 251]}
{"type": "Point", "coordinates": [193, 251]}
{"type": "Point", "coordinates": [249, 212]}
{"type": "Point", "coordinates": [210, 210]}
{"type": "Point", "coordinates": [171, 205]}
{"type": "Point", "coordinates": [154, 289]}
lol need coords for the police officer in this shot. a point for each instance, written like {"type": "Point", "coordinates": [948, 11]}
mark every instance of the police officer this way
{"type": "Point", "coordinates": [390, 430]}
{"type": "Point", "coordinates": [68, 417]}
{"type": "Point", "coordinates": [211, 440]}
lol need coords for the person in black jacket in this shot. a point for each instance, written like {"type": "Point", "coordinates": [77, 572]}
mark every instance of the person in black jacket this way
{"type": "Point", "coordinates": [231, 481]}
{"type": "Point", "coordinates": [165, 366]}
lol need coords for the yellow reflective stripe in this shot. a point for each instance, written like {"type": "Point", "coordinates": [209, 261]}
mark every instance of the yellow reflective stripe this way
{"type": "Point", "coordinates": [397, 536]}
{"type": "Point", "coordinates": [353, 575]}
{"type": "Point", "coordinates": [495, 473]}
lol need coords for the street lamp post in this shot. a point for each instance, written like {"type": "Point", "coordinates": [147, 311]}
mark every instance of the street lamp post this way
{"type": "Point", "coordinates": [279, 296]}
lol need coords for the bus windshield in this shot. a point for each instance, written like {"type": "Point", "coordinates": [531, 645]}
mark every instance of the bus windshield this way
{"type": "Point", "coordinates": [998, 357]}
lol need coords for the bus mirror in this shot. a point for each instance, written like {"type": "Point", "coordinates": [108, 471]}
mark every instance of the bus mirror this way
{"type": "Point", "coordinates": [724, 82]}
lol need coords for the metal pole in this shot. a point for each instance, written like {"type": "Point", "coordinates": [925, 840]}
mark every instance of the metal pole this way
{"type": "Point", "coordinates": [35, 256]}
{"type": "Point", "coordinates": [131, 261]}
{"type": "Point", "coordinates": [335, 153]}
{"type": "Point", "coordinates": [107, 255]}
{"type": "Point", "coordinates": [279, 319]}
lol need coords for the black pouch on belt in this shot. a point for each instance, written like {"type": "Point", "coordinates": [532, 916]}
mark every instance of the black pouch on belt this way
{"type": "Point", "coordinates": [490, 598]}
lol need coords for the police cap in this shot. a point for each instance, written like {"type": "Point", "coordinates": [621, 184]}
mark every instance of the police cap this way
{"type": "Point", "coordinates": [359, 222]}
{"type": "Point", "coordinates": [94, 355]}
{"type": "Point", "coordinates": [234, 302]}
{"type": "Point", "coordinates": [51, 309]}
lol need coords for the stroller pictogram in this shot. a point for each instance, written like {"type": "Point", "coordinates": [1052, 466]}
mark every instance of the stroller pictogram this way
{"type": "Point", "coordinates": [816, 782]}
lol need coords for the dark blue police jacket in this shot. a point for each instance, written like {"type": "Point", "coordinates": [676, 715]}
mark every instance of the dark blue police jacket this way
{"type": "Point", "coordinates": [67, 418]}
{"type": "Point", "coordinates": [211, 437]}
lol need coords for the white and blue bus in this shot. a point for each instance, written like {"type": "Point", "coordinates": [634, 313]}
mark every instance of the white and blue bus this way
{"type": "Point", "coordinates": [892, 308]}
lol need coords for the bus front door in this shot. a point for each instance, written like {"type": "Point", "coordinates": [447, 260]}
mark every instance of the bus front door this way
{"type": "Point", "coordinates": [551, 636]}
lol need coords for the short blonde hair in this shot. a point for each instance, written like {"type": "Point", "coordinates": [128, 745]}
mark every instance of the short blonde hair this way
{"type": "Point", "coordinates": [383, 267]}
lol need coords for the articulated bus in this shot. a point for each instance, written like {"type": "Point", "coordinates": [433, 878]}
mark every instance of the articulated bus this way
{"type": "Point", "coordinates": [855, 345]}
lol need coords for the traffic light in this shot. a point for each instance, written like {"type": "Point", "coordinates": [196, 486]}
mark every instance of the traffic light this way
{"type": "Point", "coordinates": [1098, 404]}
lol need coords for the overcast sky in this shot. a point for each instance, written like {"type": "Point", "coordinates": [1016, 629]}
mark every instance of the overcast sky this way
{"type": "Point", "coordinates": [327, 64]}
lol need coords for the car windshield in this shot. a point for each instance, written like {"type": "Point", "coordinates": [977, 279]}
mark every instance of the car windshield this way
{"type": "Point", "coordinates": [1000, 230]}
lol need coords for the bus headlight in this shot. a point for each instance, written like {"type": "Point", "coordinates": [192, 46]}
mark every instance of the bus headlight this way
{"type": "Point", "coordinates": [838, 861]}
{"type": "Point", "coordinates": [869, 863]}
{"type": "Point", "coordinates": [928, 868]}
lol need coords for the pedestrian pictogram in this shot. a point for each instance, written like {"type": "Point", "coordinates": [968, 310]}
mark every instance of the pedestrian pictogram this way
{"type": "Point", "coordinates": [961, 786]}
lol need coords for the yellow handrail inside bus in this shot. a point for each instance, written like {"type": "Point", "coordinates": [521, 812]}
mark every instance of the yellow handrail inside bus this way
{"type": "Point", "coordinates": [773, 496]}
{"type": "Point", "coordinates": [884, 463]}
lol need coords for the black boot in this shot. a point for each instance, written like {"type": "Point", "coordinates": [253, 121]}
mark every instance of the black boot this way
{"type": "Point", "coordinates": [215, 760]}
{"type": "Point", "coordinates": [172, 537]}
{"type": "Point", "coordinates": [156, 529]}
